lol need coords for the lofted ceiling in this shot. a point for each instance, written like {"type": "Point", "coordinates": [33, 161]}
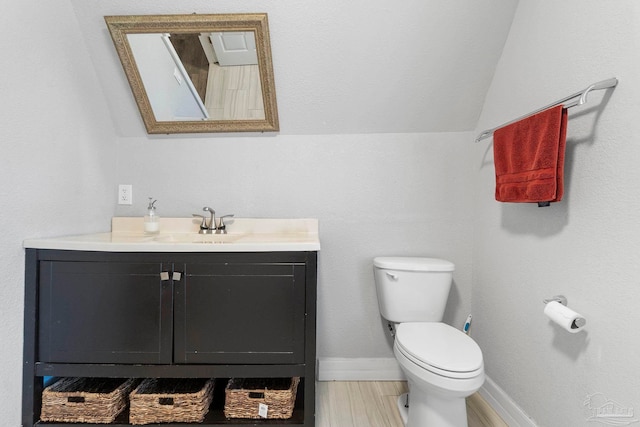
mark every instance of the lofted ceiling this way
{"type": "Point", "coordinates": [343, 67]}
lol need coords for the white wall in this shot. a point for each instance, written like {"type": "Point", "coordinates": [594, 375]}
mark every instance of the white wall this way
{"type": "Point", "coordinates": [58, 147]}
{"type": "Point", "coordinates": [58, 176]}
{"type": "Point", "coordinates": [585, 247]}
{"type": "Point", "coordinates": [361, 97]}
{"type": "Point", "coordinates": [364, 90]}
{"type": "Point", "coordinates": [384, 194]}
{"type": "Point", "coordinates": [374, 193]}
{"type": "Point", "coordinates": [372, 165]}
{"type": "Point", "coordinates": [363, 66]}
{"type": "Point", "coordinates": [62, 162]}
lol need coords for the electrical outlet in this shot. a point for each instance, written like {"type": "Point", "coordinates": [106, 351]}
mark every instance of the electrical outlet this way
{"type": "Point", "coordinates": [125, 194]}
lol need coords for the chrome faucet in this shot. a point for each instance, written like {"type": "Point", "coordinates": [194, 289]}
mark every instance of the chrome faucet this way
{"type": "Point", "coordinates": [217, 227]}
{"type": "Point", "coordinates": [212, 221]}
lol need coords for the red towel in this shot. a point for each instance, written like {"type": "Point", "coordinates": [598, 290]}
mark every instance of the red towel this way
{"type": "Point", "coordinates": [529, 158]}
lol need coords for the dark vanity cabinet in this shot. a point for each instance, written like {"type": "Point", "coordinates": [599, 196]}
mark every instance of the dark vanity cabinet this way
{"type": "Point", "coordinates": [258, 311]}
{"type": "Point", "coordinates": [103, 312]}
{"type": "Point", "coordinates": [171, 315]}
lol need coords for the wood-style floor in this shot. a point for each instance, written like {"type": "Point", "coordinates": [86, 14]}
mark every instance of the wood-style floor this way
{"type": "Point", "coordinates": [234, 93]}
{"type": "Point", "coordinates": [373, 404]}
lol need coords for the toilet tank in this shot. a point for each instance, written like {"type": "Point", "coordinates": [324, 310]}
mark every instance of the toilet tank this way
{"type": "Point", "coordinates": [412, 289]}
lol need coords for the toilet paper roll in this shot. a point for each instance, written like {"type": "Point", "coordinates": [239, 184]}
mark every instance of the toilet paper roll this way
{"type": "Point", "coordinates": [564, 316]}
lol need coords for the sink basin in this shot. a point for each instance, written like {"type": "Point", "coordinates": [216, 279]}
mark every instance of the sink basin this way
{"type": "Point", "coordinates": [197, 238]}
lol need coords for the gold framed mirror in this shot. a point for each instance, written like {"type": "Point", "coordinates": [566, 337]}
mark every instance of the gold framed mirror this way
{"type": "Point", "coordinates": [198, 73]}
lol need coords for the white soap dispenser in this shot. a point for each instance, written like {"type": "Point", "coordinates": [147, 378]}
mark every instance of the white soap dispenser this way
{"type": "Point", "coordinates": [151, 219]}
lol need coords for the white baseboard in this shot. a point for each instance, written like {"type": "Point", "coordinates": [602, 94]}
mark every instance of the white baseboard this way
{"type": "Point", "coordinates": [359, 369]}
{"type": "Point", "coordinates": [387, 369]}
{"type": "Point", "coordinates": [508, 410]}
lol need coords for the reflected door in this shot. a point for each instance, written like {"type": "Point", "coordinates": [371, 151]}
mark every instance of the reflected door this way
{"type": "Point", "coordinates": [235, 48]}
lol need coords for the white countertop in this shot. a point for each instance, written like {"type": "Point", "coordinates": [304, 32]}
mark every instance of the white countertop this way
{"type": "Point", "coordinates": [181, 235]}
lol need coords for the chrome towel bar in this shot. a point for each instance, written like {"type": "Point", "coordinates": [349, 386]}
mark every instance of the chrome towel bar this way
{"type": "Point", "coordinates": [578, 98]}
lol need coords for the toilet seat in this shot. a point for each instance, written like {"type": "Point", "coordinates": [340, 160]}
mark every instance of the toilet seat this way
{"type": "Point", "coordinates": [440, 349]}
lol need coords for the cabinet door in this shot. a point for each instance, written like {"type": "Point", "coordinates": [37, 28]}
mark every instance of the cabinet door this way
{"type": "Point", "coordinates": [240, 313]}
{"type": "Point", "coordinates": [104, 312]}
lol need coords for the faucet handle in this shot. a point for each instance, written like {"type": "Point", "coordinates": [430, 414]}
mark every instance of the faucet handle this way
{"type": "Point", "coordinates": [203, 224]}
{"type": "Point", "coordinates": [221, 226]}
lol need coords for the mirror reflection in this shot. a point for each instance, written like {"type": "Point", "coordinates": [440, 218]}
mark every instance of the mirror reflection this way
{"type": "Point", "coordinates": [198, 73]}
{"type": "Point", "coordinates": [200, 76]}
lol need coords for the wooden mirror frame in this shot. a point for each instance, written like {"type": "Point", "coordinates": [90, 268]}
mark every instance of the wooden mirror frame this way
{"type": "Point", "coordinates": [120, 26]}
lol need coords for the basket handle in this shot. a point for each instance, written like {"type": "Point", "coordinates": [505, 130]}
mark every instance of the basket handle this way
{"type": "Point", "coordinates": [165, 400]}
{"type": "Point", "coordinates": [75, 399]}
{"type": "Point", "coordinates": [255, 395]}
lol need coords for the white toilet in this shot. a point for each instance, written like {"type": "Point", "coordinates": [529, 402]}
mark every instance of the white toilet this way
{"type": "Point", "coordinates": [442, 364]}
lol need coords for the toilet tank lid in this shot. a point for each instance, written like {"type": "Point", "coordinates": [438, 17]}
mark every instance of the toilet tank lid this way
{"type": "Point", "coordinates": [413, 264]}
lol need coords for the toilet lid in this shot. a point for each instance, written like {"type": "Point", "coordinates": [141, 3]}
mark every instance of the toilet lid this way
{"type": "Point", "coordinates": [440, 348]}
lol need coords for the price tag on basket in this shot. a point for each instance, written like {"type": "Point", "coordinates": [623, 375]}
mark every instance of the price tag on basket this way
{"type": "Point", "coordinates": [262, 410]}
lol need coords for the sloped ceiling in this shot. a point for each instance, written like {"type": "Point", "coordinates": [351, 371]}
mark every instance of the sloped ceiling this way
{"type": "Point", "coordinates": [343, 67]}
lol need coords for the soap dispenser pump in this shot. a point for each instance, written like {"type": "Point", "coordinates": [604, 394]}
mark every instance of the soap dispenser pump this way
{"type": "Point", "coordinates": [151, 219]}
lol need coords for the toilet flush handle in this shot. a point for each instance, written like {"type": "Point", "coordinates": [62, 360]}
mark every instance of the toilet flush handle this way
{"type": "Point", "coordinates": [392, 276]}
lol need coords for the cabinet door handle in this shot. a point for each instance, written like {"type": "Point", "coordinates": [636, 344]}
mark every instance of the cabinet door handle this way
{"type": "Point", "coordinates": [164, 275]}
{"type": "Point", "coordinates": [176, 276]}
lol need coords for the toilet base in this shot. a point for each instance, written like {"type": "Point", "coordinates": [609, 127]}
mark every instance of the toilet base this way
{"type": "Point", "coordinates": [431, 410]}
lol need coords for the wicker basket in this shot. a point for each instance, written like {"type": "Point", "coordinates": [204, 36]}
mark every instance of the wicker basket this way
{"type": "Point", "coordinates": [260, 397]}
{"type": "Point", "coordinates": [168, 400]}
{"type": "Point", "coordinates": [85, 400]}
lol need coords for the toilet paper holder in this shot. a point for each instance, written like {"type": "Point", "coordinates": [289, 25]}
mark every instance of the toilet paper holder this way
{"type": "Point", "coordinates": [558, 298]}
{"type": "Point", "coordinates": [577, 323]}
